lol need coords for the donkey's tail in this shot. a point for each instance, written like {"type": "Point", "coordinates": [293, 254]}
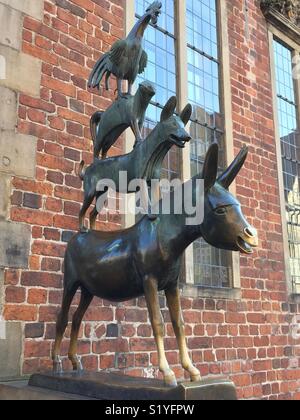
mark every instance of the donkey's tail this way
{"type": "Point", "coordinates": [81, 172]}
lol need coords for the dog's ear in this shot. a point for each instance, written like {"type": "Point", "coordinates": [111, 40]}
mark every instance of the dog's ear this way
{"type": "Point", "coordinates": [169, 109]}
{"type": "Point", "coordinates": [186, 114]}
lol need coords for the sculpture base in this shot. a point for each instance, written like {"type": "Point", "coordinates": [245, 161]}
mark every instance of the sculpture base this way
{"type": "Point", "coordinates": [108, 386]}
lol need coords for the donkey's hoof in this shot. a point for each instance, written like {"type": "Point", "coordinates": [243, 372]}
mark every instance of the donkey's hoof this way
{"type": "Point", "coordinates": [196, 378]}
{"type": "Point", "coordinates": [170, 381]}
{"type": "Point", "coordinates": [57, 366]}
{"type": "Point", "coordinates": [152, 217]}
{"type": "Point", "coordinates": [77, 364]}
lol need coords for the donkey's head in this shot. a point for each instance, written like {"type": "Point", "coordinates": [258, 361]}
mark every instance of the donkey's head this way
{"type": "Point", "coordinates": [224, 224]}
{"type": "Point", "coordinates": [172, 127]}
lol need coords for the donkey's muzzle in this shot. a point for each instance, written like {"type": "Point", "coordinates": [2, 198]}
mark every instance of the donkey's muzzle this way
{"type": "Point", "coordinates": [248, 240]}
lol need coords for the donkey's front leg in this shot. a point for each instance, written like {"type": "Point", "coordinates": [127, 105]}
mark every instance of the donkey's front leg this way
{"type": "Point", "coordinates": [151, 293]}
{"type": "Point", "coordinates": [173, 300]}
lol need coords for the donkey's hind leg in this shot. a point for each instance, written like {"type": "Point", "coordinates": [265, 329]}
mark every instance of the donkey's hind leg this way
{"type": "Point", "coordinates": [86, 299]}
{"type": "Point", "coordinates": [95, 212]}
{"type": "Point", "coordinates": [93, 218]}
{"type": "Point", "coordinates": [61, 325]}
{"type": "Point", "coordinates": [88, 199]}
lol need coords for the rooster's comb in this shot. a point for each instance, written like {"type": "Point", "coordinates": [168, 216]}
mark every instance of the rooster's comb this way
{"type": "Point", "coordinates": [157, 5]}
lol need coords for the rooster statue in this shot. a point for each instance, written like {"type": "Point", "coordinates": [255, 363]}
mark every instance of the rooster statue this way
{"type": "Point", "coordinates": [126, 59]}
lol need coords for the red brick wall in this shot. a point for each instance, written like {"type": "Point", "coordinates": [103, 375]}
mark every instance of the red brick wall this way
{"type": "Point", "coordinates": [247, 339]}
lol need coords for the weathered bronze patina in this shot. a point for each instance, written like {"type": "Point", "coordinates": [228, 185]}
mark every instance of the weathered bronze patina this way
{"type": "Point", "coordinates": [146, 259]}
{"type": "Point", "coordinates": [106, 127]}
{"type": "Point", "coordinates": [126, 59]}
{"type": "Point", "coordinates": [144, 162]}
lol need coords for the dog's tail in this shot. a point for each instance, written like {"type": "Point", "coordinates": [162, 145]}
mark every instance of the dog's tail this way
{"type": "Point", "coordinates": [95, 120]}
{"type": "Point", "coordinates": [81, 172]}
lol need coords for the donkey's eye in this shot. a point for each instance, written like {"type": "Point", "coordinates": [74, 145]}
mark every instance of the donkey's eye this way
{"type": "Point", "coordinates": [221, 211]}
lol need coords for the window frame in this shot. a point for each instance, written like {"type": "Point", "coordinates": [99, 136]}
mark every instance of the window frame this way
{"type": "Point", "coordinates": [275, 33]}
{"type": "Point", "coordinates": [189, 287]}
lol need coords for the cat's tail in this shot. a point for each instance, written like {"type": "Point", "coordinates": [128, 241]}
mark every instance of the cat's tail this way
{"type": "Point", "coordinates": [81, 172]}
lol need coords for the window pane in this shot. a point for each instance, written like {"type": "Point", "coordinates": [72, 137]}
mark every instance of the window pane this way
{"type": "Point", "coordinates": [287, 113]}
{"type": "Point", "coordinates": [211, 265]}
{"type": "Point", "coordinates": [166, 19]}
{"type": "Point", "coordinates": [161, 71]}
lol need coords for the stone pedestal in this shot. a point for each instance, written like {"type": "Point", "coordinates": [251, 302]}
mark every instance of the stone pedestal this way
{"type": "Point", "coordinates": [114, 387]}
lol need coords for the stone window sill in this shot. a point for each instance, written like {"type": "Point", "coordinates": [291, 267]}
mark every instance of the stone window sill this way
{"type": "Point", "coordinates": [194, 291]}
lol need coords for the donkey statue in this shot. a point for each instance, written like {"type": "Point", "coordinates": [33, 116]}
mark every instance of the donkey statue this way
{"type": "Point", "coordinates": [146, 259]}
{"type": "Point", "coordinates": [144, 162]}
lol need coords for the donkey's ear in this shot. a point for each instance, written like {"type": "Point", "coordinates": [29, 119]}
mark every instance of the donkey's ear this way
{"type": "Point", "coordinates": [169, 109]}
{"type": "Point", "coordinates": [186, 114]}
{"type": "Point", "coordinates": [210, 169]}
{"type": "Point", "coordinates": [227, 178]}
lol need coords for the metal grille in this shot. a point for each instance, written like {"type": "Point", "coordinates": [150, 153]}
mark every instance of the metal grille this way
{"type": "Point", "coordinates": [159, 43]}
{"type": "Point", "coordinates": [289, 134]}
{"type": "Point", "coordinates": [212, 266]}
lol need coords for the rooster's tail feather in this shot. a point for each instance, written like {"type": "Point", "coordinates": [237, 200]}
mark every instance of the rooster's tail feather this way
{"type": "Point", "coordinates": [99, 70]}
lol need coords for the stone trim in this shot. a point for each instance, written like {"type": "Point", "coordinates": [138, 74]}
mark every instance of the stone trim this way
{"type": "Point", "coordinates": [283, 18]}
{"type": "Point", "coordinates": [34, 8]}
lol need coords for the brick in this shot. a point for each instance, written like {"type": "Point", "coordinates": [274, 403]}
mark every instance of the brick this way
{"type": "Point", "coordinates": [50, 264]}
{"type": "Point", "coordinates": [20, 313]}
{"type": "Point", "coordinates": [15, 294]}
{"type": "Point", "coordinates": [34, 330]}
{"type": "Point", "coordinates": [48, 313]}
{"type": "Point", "coordinates": [59, 99]}
{"type": "Point", "coordinates": [31, 217]}
{"type": "Point", "coordinates": [40, 279]}
{"type": "Point", "coordinates": [32, 201]}
{"type": "Point", "coordinates": [74, 129]}
{"type": "Point", "coordinates": [57, 123]}
{"type": "Point", "coordinates": [36, 103]}
{"type": "Point", "coordinates": [58, 86]}
{"type": "Point", "coordinates": [112, 331]}
{"type": "Point", "coordinates": [65, 4]}
{"type": "Point", "coordinates": [72, 154]}
{"type": "Point", "coordinates": [134, 315]}
{"type": "Point", "coordinates": [110, 346]}
{"type": "Point", "coordinates": [99, 314]}
{"type": "Point", "coordinates": [37, 349]}
{"type": "Point", "coordinates": [37, 296]}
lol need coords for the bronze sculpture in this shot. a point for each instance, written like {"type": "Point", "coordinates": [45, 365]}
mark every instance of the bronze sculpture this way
{"type": "Point", "coordinates": [144, 162]}
{"type": "Point", "coordinates": [126, 59]}
{"type": "Point", "coordinates": [106, 127]}
{"type": "Point", "coordinates": [146, 259]}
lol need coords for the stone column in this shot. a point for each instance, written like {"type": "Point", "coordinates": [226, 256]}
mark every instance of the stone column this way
{"type": "Point", "coordinates": [19, 72]}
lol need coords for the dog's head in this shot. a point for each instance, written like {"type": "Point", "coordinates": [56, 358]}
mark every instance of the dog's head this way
{"type": "Point", "coordinates": [172, 127]}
